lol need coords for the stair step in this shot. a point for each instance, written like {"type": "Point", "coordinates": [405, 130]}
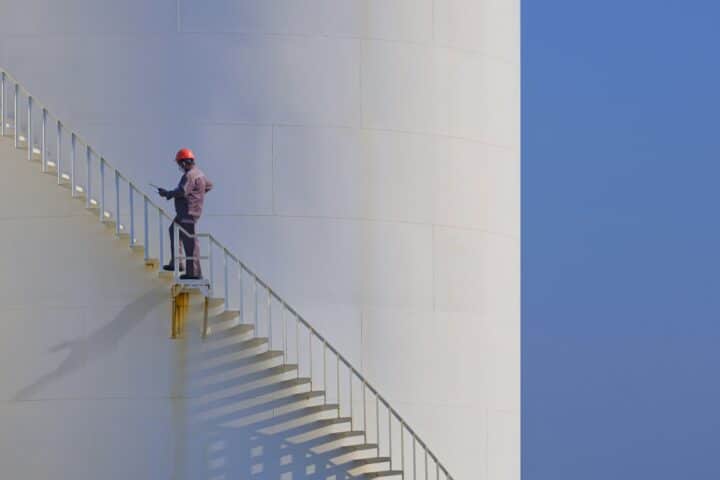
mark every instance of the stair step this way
{"type": "Point", "coordinates": [383, 474]}
{"type": "Point", "coordinates": [224, 331]}
{"type": "Point", "coordinates": [363, 462]}
{"type": "Point", "coordinates": [329, 439]}
{"type": "Point", "coordinates": [235, 348]}
{"type": "Point", "coordinates": [314, 426]}
{"type": "Point", "coordinates": [242, 362]}
{"type": "Point", "coordinates": [276, 422]}
{"type": "Point", "coordinates": [216, 301]}
{"type": "Point", "coordinates": [267, 406]}
{"type": "Point", "coordinates": [251, 377]}
{"type": "Point", "coordinates": [257, 392]}
{"type": "Point", "coordinates": [347, 450]}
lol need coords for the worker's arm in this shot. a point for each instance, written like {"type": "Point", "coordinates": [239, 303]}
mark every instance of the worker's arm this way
{"type": "Point", "coordinates": [176, 192]}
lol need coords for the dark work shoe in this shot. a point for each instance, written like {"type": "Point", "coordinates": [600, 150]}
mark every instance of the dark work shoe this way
{"type": "Point", "coordinates": [171, 267]}
{"type": "Point", "coordinates": [187, 276]}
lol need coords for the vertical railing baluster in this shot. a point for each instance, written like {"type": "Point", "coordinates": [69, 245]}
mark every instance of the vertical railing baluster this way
{"type": "Point", "coordinates": [402, 450]}
{"type": "Point", "coordinates": [426, 463]}
{"type": "Point", "coordinates": [132, 213]}
{"type": "Point", "coordinates": [73, 157]}
{"type": "Point", "coordinates": [58, 160]}
{"type": "Point", "coordinates": [161, 238]}
{"type": "Point", "coordinates": [2, 104]}
{"type": "Point", "coordinates": [16, 110]}
{"type": "Point", "coordinates": [255, 311]}
{"type": "Point", "coordinates": [43, 140]}
{"type": "Point", "coordinates": [377, 422]}
{"type": "Point", "coordinates": [28, 139]}
{"type": "Point", "coordinates": [325, 371]}
{"type": "Point", "coordinates": [102, 189]}
{"type": "Point", "coordinates": [242, 296]}
{"type": "Point", "coordinates": [414, 448]}
{"type": "Point", "coordinates": [176, 250]}
{"type": "Point", "coordinates": [390, 441]}
{"type": "Point", "coordinates": [337, 380]}
{"type": "Point", "coordinates": [226, 285]}
{"type": "Point", "coordinates": [146, 231]}
{"type": "Point", "coordinates": [352, 410]}
{"type": "Point", "coordinates": [297, 344]}
{"type": "Point", "coordinates": [364, 406]}
{"type": "Point", "coordinates": [268, 312]}
{"type": "Point", "coordinates": [117, 202]}
{"type": "Point", "coordinates": [310, 356]}
{"type": "Point", "coordinates": [211, 267]}
{"type": "Point", "coordinates": [88, 182]}
{"type": "Point", "coordinates": [283, 317]}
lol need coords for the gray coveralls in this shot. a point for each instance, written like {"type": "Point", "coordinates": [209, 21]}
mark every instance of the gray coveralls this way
{"type": "Point", "coordinates": [189, 197]}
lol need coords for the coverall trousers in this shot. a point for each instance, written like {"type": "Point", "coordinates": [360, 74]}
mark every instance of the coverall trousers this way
{"type": "Point", "coordinates": [191, 245]}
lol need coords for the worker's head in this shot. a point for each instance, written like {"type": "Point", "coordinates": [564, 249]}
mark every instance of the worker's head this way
{"type": "Point", "coordinates": [185, 159]}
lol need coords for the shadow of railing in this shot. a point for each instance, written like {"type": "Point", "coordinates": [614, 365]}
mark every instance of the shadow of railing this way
{"type": "Point", "coordinates": [260, 418]}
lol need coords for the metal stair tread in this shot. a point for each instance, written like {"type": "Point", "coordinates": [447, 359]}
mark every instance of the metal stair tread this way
{"type": "Point", "coordinates": [244, 362]}
{"type": "Point", "coordinates": [329, 438]}
{"type": "Point", "coordinates": [313, 426]}
{"type": "Point", "coordinates": [253, 377]}
{"type": "Point", "coordinates": [356, 463]}
{"type": "Point", "coordinates": [372, 475]}
{"type": "Point", "coordinates": [347, 449]}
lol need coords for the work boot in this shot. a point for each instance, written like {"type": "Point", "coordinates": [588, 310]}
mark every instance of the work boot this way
{"type": "Point", "coordinates": [187, 276]}
{"type": "Point", "coordinates": [170, 267]}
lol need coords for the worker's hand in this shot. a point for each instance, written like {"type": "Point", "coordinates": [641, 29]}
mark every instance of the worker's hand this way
{"type": "Point", "coordinates": [163, 192]}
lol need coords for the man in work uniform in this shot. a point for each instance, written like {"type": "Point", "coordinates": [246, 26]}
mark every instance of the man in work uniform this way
{"type": "Point", "coordinates": [189, 196]}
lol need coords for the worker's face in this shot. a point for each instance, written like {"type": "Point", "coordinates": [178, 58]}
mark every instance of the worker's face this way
{"type": "Point", "coordinates": [185, 165]}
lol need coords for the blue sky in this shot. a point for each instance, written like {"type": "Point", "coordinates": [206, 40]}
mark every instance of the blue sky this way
{"type": "Point", "coordinates": [621, 239]}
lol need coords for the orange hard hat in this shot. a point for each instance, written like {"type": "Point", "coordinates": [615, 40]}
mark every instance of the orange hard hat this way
{"type": "Point", "coordinates": [184, 154]}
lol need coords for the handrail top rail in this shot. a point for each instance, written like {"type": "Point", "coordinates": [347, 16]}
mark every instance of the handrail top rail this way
{"type": "Point", "coordinates": [242, 265]}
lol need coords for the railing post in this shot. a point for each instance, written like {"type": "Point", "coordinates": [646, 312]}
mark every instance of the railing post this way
{"type": "Point", "coordinates": [350, 375]}
{"type": "Point", "coordinates": [29, 140]}
{"type": "Point", "coordinates": [310, 357]}
{"type": "Point", "coordinates": [390, 442]}
{"type": "Point", "coordinates": [176, 251]}
{"type": "Point", "coordinates": [297, 344]}
{"type": "Point", "coordinates": [102, 189]}
{"type": "Point", "coordinates": [226, 278]}
{"type": "Point", "coordinates": [364, 406]}
{"type": "Point", "coordinates": [161, 238]}
{"type": "Point", "coordinates": [337, 380]}
{"type": "Point", "coordinates": [268, 309]}
{"type": "Point", "coordinates": [43, 140]}
{"type": "Point", "coordinates": [132, 214]}
{"type": "Point", "coordinates": [2, 104]}
{"type": "Point", "coordinates": [117, 203]}
{"type": "Point", "coordinates": [325, 369]}
{"type": "Point", "coordinates": [426, 464]}
{"type": "Point", "coordinates": [414, 458]}
{"type": "Point", "coordinates": [16, 110]}
{"type": "Point", "coordinates": [377, 421]}
{"type": "Point", "coordinates": [73, 155]}
{"type": "Point", "coordinates": [146, 232]}
{"type": "Point", "coordinates": [402, 450]}
{"type": "Point", "coordinates": [88, 181]}
{"type": "Point", "coordinates": [283, 317]}
{"type": "Point", "coordinates": [242, 296]}
{"type": "Point", "coordinates": [211, 269]}
{"type": "Point", "coordinates": [58, 160]}
{"type": "Point", "coordinates": [257, 323]}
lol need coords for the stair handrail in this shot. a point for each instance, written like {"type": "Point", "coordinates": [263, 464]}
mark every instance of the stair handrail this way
{"type": "Point", "coordinates": [227, 253]}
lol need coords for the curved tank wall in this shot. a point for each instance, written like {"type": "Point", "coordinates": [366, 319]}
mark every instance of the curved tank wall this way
{"type": "Point", "coordinates": [366, 158]}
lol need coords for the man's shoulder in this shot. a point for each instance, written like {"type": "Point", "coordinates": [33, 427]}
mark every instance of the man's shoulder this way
{"type": "Point", "coordinates": [195, 173]}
